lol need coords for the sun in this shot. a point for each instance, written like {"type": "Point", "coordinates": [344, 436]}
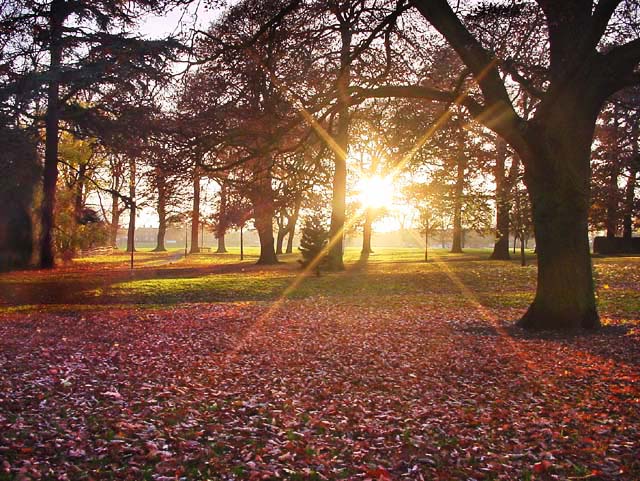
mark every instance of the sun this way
{"type": "Point", "coordinates": [375, 192]}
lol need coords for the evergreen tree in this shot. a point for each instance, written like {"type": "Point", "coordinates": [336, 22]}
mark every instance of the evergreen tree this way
{"type": "Point", "coordinates": [313, 241]}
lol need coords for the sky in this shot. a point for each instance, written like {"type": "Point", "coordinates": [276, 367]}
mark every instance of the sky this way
{"type": "Point", "coordinates": [171, 22]}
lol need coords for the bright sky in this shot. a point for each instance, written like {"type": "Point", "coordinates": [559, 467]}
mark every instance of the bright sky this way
{"type": "Point", "coordinates": [182, 18]}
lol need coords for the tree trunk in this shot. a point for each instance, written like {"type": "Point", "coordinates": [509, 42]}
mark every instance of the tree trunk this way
{"type": "Point", "coordinates": [367, 232]}
{"type": "Point", "coordinates": [263, 213]}
{"type": "Point", "coordinates": [293, 221]}
{"type": "Point", "coordinates": [558, 183]}
{"type": "Point", "coordinates": [241, 243]}
{"type": "Point", "coordinates": [630, 188]}
{"type": "Point", "coordinates": [162, 213]}
{"type": "Point", "coordinates": [501, 246]}
{"type": "Point", "coordinates": [195, 214]}
{"type": "Point", "coordinates": [426, 242]}
{"type": "Point", "coordinates": [52, 118]}
{"type": "Point", "coordinates": [456, 244]}
{"type": "Point", "coordinates": [282, 232]}
{"type": "Point", "coordinates": [612, 202]}
{"type": "Point", "coordinates": [222, 248]}
{"type": "Point", "coordinates": [523, 258]}
{"type": "Point", "coordinates": [115, 221]}
{"type": "Point", "coordinates": [131, 232]}
{"type": "Point", "coordinates": [79, 193]}
{"type": "Point", "coordinates": [221, 229]}
{"type": "Point", "coordinates": [335, 260]}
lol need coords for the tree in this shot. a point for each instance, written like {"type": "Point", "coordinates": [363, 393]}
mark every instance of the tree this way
{"type": "Point", "coordinates": [615, 165]}
{"type": "Point", "coordinates": [222, 219]}
{"type": "Point", "coordinates": [78, 225]}
{"type": "Point", "coordinates": [87, 46]}
{"type": "Point", "coordinates": [243, 119]}
{"type": "Point", "coordinates": [505, 180]}
{"type": "Point", "coordinates": [522, 220]}
{"type": "Point", "coordinates": [195, 212]}
{"type": "Point", "coordinates": [592, 53]}
{"type": "Point", "coordinates": [313, 242]}
{"type": "Point", "coordinates": [422, 197]}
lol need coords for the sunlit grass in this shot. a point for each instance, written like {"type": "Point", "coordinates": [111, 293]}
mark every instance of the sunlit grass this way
{"type": "Point", "coordinates": [161, 279]}
{"type": "Point", "coordinates": [210, 288]}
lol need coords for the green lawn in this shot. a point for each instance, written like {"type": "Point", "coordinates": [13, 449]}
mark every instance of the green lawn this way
{"type": "Point", "coordinates": [169, 278]}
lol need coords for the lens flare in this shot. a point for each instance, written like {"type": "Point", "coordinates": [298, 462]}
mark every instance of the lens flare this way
{"type": "Point", "coordinates": [375, 192]}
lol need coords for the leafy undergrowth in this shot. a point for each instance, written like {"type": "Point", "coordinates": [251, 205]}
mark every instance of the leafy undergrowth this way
{"type": "Point", "coordinates": [314, 389]}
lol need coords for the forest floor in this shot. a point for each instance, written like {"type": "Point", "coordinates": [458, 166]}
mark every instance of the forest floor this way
{"type": "Point", "coordinates": [211, 368]}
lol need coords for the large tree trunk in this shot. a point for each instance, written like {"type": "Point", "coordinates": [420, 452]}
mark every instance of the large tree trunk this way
{"type": "Point", "coordinates": [222, 247]}
{"type": "Point", "coordinates": [263, 212]}
{"type": "Point", "coordinates": [52, 118]}
{"type": "Point", "coordinates": [162, 213]}
{"type": "Point", "coordinates": [367, 232]}
{"type": "Point", "coordinates": [131, 232]}
{"type": "Point", "coordinates": [456, 244]}
{"type": "Point", "coordinates": [503, 207]}
{"type": "Point", "coordinates": [557, 179]}
{"type": "Point", "coordinates": [195, 214]}
{"type": "Point", "coordinates": [335, 260]}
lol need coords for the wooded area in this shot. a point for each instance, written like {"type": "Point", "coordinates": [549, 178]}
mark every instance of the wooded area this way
{"type": "Point", "coordinates": [302, 124]}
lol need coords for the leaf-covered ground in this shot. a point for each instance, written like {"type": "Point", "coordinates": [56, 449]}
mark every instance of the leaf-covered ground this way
{"type": "Point", "coordinates": [388, 371]}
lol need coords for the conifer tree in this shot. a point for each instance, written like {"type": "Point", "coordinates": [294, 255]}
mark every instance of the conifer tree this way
{"type": "Point", "coordinates": [313, 241]}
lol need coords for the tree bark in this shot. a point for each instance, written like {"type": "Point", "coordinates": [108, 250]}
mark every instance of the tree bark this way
{"type": "Point", "coordinates": [293, 222]}
{"type": "Point", "coordinates": [558, 184]}
{"type": "Point", "coordinates": [78, 200]}
{"type": "Point", "coordinates": [263, 213]}
{"type": "Point", "coordinates": [52, 118]}
{"type": "Point", "coordinates": [456, 244]}
{"type": "Point", "coordinates": [612, 202]}
{"type": "Point", "coordinates": [222, 247]}
{"type": "Point", "coordinates": [367, 232]}
{"type": "Point", "coordinates": [426, 242]}
{"type": "Point", "coordinates": [503, 207]}
{"type": "Point", "coordinates": [335, 260]}
{"type": "Point", "coordinates": [115, 220]}
{"type": "Point", "coordinates": [195, 214]}
{"type": "Point", "coordinates": [630, 188]}
{"type": "Point", "coordinates": [221, 229]}
{"type": "Point", "coordinates": [161, 208]}
{"type": "Point", "coordinates": [282, 232]}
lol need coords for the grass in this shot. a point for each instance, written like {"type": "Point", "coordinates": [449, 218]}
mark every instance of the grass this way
{"type": "Point", "coordinates": [168, 278]}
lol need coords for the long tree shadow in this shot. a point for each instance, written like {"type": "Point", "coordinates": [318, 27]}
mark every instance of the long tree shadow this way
{"type": "Point", "coordinates": [78, 286]}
